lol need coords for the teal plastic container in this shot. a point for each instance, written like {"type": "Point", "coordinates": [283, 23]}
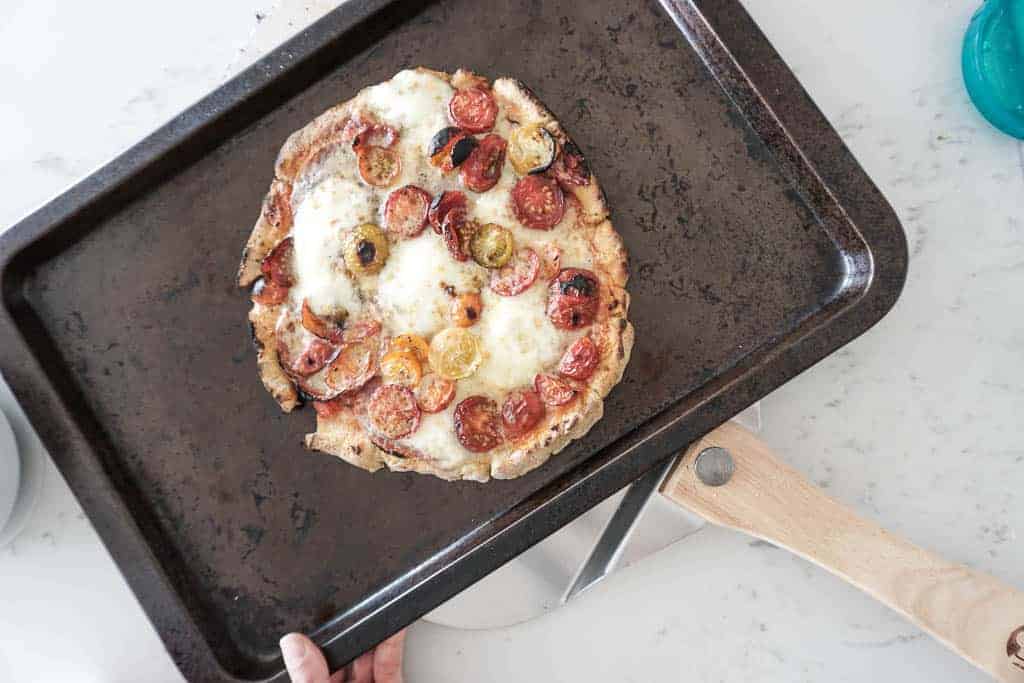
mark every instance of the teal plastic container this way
{"type": "Point", "coordinates": [993, 64]}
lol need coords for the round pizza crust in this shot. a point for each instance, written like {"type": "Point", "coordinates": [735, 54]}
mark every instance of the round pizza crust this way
{"type": "Point", "coordinates": [341, 434]}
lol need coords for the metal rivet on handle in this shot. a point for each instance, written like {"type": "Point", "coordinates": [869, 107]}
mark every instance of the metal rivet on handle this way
{"type": "Point", "coordinates": [714, 466]}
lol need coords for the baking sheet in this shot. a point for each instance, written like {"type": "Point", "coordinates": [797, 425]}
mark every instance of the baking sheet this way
{"type": "Point", "coordinates": [125, 338]}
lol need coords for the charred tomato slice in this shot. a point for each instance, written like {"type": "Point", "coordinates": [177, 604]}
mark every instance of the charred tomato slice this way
{"type": "Point", "coordinates": [392, 411]}
{"type": "Point", "coordinates": [573, 299]}
{"type": "Point", "coordinates": [482, 169]}
{"type": "Point", "coordinates": [442, 204]}
{"type": "Point", "coordinates": [267, 293]}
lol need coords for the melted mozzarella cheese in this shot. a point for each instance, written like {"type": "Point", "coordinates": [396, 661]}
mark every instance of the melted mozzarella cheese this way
{"type": "Point", "coordinates": [436, 434]}
{"type": "Point", "coordinates": [413, 102]}
{"type": "Point", "coordinates": [411, 289]}
{"type": "Point", "coordinates": [517, 337]}
{"type": "Point", "coordinates": [321, 220]}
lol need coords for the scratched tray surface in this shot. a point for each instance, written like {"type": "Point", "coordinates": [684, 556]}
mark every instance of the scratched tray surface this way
{"type": "Point", "coordinates": [259, 536]}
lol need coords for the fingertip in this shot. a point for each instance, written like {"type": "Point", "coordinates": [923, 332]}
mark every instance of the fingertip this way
{"type": "Point", "coordinates": [303, 659]}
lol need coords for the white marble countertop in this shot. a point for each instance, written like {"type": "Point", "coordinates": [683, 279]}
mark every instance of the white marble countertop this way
{"type": "Point", "coordinates": [916, 424]}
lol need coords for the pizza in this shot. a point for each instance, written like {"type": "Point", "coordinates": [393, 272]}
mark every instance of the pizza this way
{"type": "Point", "coordinates": [434, 269]}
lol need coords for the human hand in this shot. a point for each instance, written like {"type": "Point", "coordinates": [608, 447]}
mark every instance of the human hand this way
{"type": "Point", "coordinates": [306, 664]}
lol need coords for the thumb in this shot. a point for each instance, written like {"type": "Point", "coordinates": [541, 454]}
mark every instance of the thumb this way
{"type": "Point", "coordinates": [303, 659]}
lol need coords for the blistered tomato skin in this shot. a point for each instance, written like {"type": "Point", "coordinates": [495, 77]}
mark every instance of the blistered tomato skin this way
{"type": "Point", "coordinates": [580, 360]}
{"type": "Point", "coordinates": [521, 412]}
{"type": "Point", "coordinates": [450, 147]}
{"type": "Point", "coordinates": [366, 249]}
{"type": "Point", "coordinates": [442, 204]}
{"type": "Point", "coordinates": [531, 149]}
{"type": "Point", "coordinates": [554, 391]}
{"type": "Point", "coordinates": [466, 310]}
{"type": "Point", "coordinates": [478, 424]}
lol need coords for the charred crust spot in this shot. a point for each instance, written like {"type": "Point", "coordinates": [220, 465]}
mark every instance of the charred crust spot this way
{"type": "Point", "coordinates": [448, 289]}
{"type": "Point", "coordinates": [471, 313]}
{"type": "Point", "coordinates": [356, 449]}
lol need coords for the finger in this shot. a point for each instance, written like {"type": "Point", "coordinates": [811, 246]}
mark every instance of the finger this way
{"type": "Point", "coordinates": [303, 659]}
{"type": "Point", "coordinates": [342, 675]}
{"type": "Point", "coordinates": [362, 668]}
{"type": "Point", "coordinates": [387, 659]}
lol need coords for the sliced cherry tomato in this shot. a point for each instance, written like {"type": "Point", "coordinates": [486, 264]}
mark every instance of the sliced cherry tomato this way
{"type": "Point", "coordinates": [454, 229]}
{"type": "Point", "coordinates": [442, 204]}
{"type": "Point", "coordinates": [355, 365]}
{"type": "Point", "coordinates": [435, 393]}
{"type": "Point", "coordinates": [450, 147]}
{"type": "Point", "coordinates": [379, 166]}
{"type": "Point", "coordinates": [580, 359]}
{"type": "Point", "coordinates": [401, 367]}
{"type": "Point", "coordinates": [411, 343]}
{"type": "Point", "coordinates": [538, 202]}
{"type": "Point", "coordinates": [465, 310]}
{"type": "Point", "coordinates": [314, 357]}
{"type": "Point", "coordinates": [482, 169]}
{"type": "Point", "coordinates": [521, 412]}
{"type": "Point", "coordinates": [267, 293]}
{"type": "Point", "coordinates": [392, 411]}
{"type": "Point", "coordinates": [405, 213]}
{"type": "Point", "coordinates": [516, 276]}
{"type": "Point", "coordinates": [553, 391]}
{"type": "Point", "coordinates": [366, 249]}
{"type": "Point", "coordinates": [531, 149]}
{"type": "Point", "coordinates": [455, 353]}
{"type": "Point", "coordinates": [551, 262]}
{"type": "Point", "coordinates": [570, 169]}
{"type": "Point", "coordinates": [473, 109]}
{"type": "Point", "coordinates": [360, 330]}
{"type": "Point", "coordinates": [363, 130]}
{"type": "Point", "coordinates": [277, 265]}
{"type": "Point", "coordinates": [491, 245]}
{"type": "Point", "coordinates": [331, 408]}
{"type": "Point", "coordinates": [478, 424]}
{"type": "Point", "coordinates": [321, 327]}
{"type": "Point", "coordinates": [573, 299]}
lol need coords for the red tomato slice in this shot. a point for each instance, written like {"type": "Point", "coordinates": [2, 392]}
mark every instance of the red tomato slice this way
{"type": "Point", "coordinates": [267, 293]}
{"type": "Point", "coordinates": [538, 202]}
{"type": "Point", "coordinates": [392, 411]}
{"type": "Point", "coordinates": [442, 204]}
{"type": "Point", "coordinates": [452, 227]}
{"type": "Point", "coordinates": [580, 360]}
{"type": "Point", "coordinates": [516, 276]}
{"type": "Point", "coordinates": [573, 299]}
{"type": "Point", "coordinates": [321, 327]}
{"type": "Point", "coordinates": [355, 365]}
{"type": "Point", "coordinates": [553, 391]}
{"type": "Point", "coordinates": [405, 213]}
{"type": "Point", "coordinates": [277, 265]}
{"type": "Point", "coordinates": [473, 109]}
{"type": "Point", "coordinates": [482, 169]}
{"type": "Point", "coordinates": [521, 412]}
{"type": "Point", "coordinates": [331, 408]}
{"type": "Point", "coordinates": [570, 169]}
{"type": "Point", "coordinates": [478, 424]}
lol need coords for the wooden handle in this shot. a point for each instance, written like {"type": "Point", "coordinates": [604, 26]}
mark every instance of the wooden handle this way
{"type": "Point", "coordinates": [977, 616]}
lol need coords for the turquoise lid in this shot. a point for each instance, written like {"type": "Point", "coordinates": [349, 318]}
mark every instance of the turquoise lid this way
{"type": "Point", "coordinates": [993, 64]}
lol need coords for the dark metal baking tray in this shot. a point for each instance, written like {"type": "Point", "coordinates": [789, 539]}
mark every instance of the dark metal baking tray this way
{"type": "Point", "coordinates": [758, 247]}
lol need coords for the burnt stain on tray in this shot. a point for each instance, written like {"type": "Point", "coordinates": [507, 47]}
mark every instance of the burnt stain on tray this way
{"type": "Point", "coordinates": [258, 536]}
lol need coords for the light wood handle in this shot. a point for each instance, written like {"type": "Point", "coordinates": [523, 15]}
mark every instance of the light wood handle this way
{"type": "Point", "coordinates": [974, 614]}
